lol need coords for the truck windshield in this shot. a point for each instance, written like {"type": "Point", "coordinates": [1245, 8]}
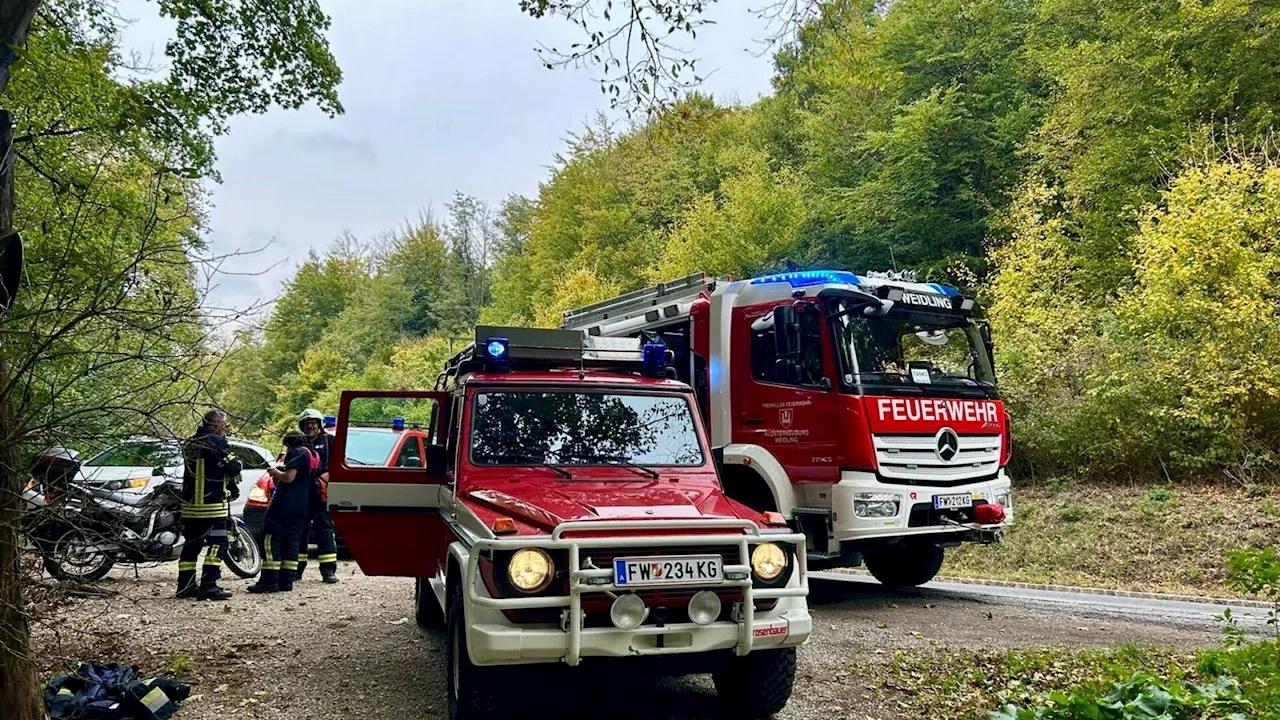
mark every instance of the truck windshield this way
{"type": "Point", "coordinates": [577, 428]}
{"type": "Point", "coordinates": [906, 347]}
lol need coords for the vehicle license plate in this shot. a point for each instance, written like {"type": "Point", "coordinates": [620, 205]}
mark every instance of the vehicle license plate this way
{"type": "Point", "coordinates": [950, 502]}
{"type": "Point", "coordinates": [672, 570]}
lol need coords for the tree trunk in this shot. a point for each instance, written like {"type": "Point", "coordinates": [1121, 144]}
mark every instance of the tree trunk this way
{"type": "Point", "coordinates": [19, 689]}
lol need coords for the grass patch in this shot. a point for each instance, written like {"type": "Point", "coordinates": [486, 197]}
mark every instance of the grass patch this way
{"type": "Point", "coordinates": [178, 665]}
{"type": "Point", "coordinates": [970, 684]}
{"type": "Point", "coordinates": [1152, 537]}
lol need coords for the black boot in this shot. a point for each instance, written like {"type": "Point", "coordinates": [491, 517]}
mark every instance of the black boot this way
{"type": "Point", "coordinates": [329, 574]}
{"type": "Point", "coordinates": [302, 565]}
{"type": "Point", "coordinates": [213, 593]}
{"type": "Point", "coordinates": [209, 589]}
{"type": "Point", "coordinates": [268, 582]}
{"type": "Point", "coordinates": [186, 584]}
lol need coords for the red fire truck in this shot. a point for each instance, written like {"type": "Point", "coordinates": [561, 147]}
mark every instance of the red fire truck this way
{"type": "Point", "coordinates": [862, 408]}
{"type": "Point", "coordinates": [571, 511]}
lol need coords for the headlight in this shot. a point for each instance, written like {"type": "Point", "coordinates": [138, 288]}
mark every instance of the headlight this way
{"type": "Point", "coordinates": [768, 561]}
{"type": "Point", "coordinates": [530, 570]}
{"type": "Point", "coordinates": [257, 494]}
{"type": "Point", "coordinates": [876, 505]}
{"type": "Point", "coordinates": [1004, 497]}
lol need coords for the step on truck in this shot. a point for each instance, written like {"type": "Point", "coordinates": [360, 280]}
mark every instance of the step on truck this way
{"type": "Point", "coordinates": [861, 407]}
{"type": "Point", "coordinates": [571, 511]}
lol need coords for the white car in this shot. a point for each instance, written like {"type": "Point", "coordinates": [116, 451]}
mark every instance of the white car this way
{"type": "Point", "coordinates": [140, 463]}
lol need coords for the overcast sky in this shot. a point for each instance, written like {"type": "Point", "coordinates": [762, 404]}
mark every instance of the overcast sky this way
{"type": "Point", "coordinates": [440, 96]}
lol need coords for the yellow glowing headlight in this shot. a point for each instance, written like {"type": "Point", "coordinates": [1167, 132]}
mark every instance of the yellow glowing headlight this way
{"type": "Point", "coordinates": [530, 570]}
{"type": "Point", "coordinates": [768, 561]}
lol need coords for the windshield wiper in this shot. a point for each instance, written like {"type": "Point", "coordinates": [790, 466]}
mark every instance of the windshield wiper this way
{"type": "Point", "coordinates": [618, 460]}
{"type": "Point", "coordinates": [533, 461]}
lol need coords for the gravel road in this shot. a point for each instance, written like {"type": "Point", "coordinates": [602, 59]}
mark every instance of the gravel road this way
{"type": "Point", "coordinates": [352, 650]}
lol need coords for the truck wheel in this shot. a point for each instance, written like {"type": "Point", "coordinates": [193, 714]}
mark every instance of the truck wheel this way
{"type": "Point", "coordinates": [468, 683]}
{"type": "Point", "coordinates": [426, 608]}
{"type": "Point", "coordinates": [758, 685]}
{"type": "Point", "coordinates": [907, 565]}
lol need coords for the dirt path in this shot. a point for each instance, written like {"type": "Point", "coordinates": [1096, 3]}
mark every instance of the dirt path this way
{"type": "Point", "coordinates": [352, 650]}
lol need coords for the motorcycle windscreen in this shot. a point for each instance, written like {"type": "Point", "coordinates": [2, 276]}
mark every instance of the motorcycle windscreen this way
{"type": "Point", "coordinates": [385, 478]}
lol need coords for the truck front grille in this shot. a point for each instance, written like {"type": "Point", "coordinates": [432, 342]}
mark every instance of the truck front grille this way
{"type": "Point", "coordinates": [913, 459]}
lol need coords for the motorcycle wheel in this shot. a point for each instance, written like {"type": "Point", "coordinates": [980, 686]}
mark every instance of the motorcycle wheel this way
{"type": "Point", "coordinates": [69, 557]}
{"type": "Point", "coordinates": [243, 556]}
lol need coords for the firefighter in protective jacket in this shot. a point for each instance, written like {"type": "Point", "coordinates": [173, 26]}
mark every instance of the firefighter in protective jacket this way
{"type": "Point", "coordinates": [319, 526]}
{"type": "Point", "coordinates": [210, 476]}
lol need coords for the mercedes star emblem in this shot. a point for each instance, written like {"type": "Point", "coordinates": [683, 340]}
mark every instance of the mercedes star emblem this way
{"type": "Point", "coordinates": [947, 444]}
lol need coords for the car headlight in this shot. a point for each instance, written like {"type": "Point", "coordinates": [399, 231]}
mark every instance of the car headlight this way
{"type": "Point", "coordinates": [530, 570]}
{"type": "Point", "coordinates": [1004, 498]}
{"type": "Point", "coordinates": [876, 505]}
{"type": "Point", "coordinates": [768, 561]}
{"type": "Point", "coordinates": [257, 494]}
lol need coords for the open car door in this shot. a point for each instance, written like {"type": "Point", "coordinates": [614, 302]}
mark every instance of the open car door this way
{"type": "Point", "coordinates": [389, 516]}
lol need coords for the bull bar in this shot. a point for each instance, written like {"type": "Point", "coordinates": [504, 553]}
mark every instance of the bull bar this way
{"type": "Point", "coordinates": [749, 534]}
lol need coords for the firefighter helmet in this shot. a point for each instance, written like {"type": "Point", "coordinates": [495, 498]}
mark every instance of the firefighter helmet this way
{"type": "Point", "coordinates": [310, 414]}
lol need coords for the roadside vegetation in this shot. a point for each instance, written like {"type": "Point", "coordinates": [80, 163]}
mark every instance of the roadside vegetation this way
{"type": "Point", "coordinates": [1131, 536]}
{"type": "Point", "coordinates": [1071, 684]}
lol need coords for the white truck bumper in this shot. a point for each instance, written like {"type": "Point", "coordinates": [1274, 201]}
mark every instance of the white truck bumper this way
{"type": "Point", "coordinates": [493, 640]}
{"type": "Point", "coordinates": [854, 484]}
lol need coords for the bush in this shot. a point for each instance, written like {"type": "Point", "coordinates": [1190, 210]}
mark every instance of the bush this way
{"type": "Point", "coordinates": [1180, 369]}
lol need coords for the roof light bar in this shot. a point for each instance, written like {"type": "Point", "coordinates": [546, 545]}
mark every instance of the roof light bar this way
{"type": "Point", "coordinates": [804, 278]}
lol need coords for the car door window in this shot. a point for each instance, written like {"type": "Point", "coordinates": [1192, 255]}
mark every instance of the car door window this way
{"type": "Point", "coordinates": [248, 457]}
{"type": "Point", "coordinates": [410, 453]}
{"type": "Point", "coordinates": [804, 367]}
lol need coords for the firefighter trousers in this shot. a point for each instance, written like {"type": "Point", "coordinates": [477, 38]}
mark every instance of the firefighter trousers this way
{"type": "Point", "coordinates": [281, 540]}
{"type": "Point", "coordinates": [319, 527]}
{"type": "Point", "coordinates": [198, 534]}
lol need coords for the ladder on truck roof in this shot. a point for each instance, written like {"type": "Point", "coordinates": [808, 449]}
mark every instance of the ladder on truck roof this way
{"type": "Point", "coordinates": [637, 301]}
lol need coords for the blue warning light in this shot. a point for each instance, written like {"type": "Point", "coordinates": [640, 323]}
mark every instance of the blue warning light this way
{"type": "Point", "coordinates": [802, 278]}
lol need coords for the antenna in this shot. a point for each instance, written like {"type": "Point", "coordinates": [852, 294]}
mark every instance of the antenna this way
{"type": "Point", "coordinates": [892, 259]}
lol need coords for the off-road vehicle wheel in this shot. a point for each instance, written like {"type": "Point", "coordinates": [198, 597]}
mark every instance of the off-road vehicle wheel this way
{"type": "Point", "coordinates": [426, 608]}
{"type": "Point", "coordinates": [471, 687]}
{"type": "Point", "coordinates": [758, 685]}
{"type": "Point", "coordinates": [907, 565]}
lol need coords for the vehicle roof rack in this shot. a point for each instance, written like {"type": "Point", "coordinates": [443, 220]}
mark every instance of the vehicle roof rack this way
{"type": "Point", "coordinates": [663, 293]}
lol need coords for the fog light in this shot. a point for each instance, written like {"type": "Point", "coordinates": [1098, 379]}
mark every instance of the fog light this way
{"type": "Point", "coordinates": [628, 611]}
{"type": "Point", "coordinates": [876, 505]}
{"type": "Point", "coordinates": [704, 607]}
{"type": "Point", "coordinates": [1004, 499]}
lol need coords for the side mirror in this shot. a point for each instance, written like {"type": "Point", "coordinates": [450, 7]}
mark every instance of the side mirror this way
{"type": "Point", "coordinates": [786, 330]}
{"type": "Point", "coordinates": [435, 461]}
{"type": "Point", "coordinates": [717, 457]}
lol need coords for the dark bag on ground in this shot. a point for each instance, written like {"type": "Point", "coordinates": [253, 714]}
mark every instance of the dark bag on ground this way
{"type": "Point", "coordinates": [111, 691]}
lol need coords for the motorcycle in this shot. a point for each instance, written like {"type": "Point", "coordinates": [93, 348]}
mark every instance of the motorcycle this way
{"type": "Point", "coordinates": [81, 532]}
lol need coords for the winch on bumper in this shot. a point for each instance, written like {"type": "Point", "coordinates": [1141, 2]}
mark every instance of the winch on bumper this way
{"type": "Point", "coordinates": [492, 639]}
{"type": "Point", "coordinates": [916, 513]}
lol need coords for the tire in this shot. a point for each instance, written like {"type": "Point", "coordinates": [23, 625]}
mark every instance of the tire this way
{"type": "Point", "coordinates": [758, 685]}
{"type": "Point", "coordinates": [426, 608]}
{"type": "Point", "coordinates": [65, 559]}
{"type": "Point", "coordinates": [470, 687]}
{"type": "Point", "coordinates": [907, 565]}
{"type": "Point", "coordinates": [244, 557]}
